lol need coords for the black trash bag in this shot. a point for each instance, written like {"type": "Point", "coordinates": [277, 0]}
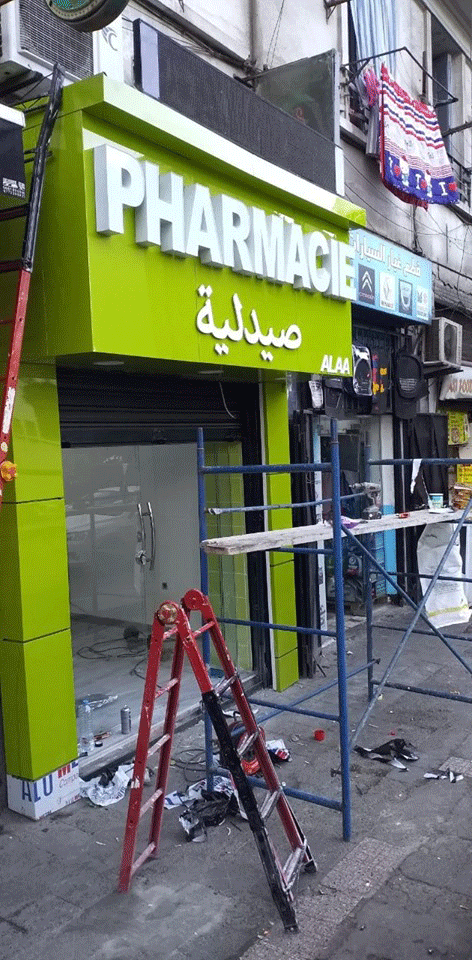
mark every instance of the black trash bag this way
{"type": "Point", "coordinates": [392, 752]}
{"type": "Point", "coordinates": [214, 807]}
{"type": "Point", "coordinates": [209, 811]}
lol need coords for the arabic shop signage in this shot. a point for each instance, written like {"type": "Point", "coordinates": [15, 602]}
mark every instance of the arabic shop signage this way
{"type": "Point", "coordinates": [391, 279]}
{"type": "Point", "coordinates": [188, 264]}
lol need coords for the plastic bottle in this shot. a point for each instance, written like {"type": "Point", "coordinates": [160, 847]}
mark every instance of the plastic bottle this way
{"type": "Point", "coordinates": [86, 737]}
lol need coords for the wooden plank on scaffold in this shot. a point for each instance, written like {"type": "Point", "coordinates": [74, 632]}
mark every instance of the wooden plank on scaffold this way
{"type": "Point", "coordinates": [293, 536]}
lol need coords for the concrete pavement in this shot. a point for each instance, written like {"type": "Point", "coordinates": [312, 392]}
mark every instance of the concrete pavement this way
{"type": "Point", "coordinates": [400, 890]}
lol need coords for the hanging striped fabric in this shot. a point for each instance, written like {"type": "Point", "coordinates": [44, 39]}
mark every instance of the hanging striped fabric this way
{"type": "Point", "coordinates": [413, 160]}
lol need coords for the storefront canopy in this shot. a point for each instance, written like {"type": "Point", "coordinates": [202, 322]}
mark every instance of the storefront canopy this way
{"type": "Point", "coordinates": [161, 240]}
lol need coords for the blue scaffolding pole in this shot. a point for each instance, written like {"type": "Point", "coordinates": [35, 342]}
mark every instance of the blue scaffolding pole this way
{"type": "Point", "coordinates": [344, 806]}
{"type": "Point", "coordinates": [311, 541]}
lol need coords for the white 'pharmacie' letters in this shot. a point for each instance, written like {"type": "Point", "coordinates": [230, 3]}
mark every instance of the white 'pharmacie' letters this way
{"type": "Point", "coordinates": [188, 221]}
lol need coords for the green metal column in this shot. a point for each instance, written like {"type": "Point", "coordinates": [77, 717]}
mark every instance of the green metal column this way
{"type": "Point", "coordinates": [36, 677]}
{"type": "Point", "coordinates": [282, 584]}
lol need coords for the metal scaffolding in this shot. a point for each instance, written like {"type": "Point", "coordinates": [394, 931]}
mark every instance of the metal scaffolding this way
{"type": "Point", "coordinates": [307, 539]}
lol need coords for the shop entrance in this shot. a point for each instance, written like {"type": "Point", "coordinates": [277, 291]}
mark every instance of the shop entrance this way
{"type": "Point", "coordinates": [132, 537]}
{"type": "Point", "coordinates": [132, 530]}
{"type": "Point", "coordinates": [354, 436]}
{"type": "Point", "coordinates": [131, 493]}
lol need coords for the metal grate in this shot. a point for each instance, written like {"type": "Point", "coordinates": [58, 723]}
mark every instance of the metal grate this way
{"type": "Point", "coordinates": [45, 36]}
{"type": "Point", "coordinates": [463, 177]}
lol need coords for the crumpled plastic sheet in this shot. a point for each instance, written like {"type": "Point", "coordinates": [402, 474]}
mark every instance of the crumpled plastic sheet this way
{"type": "Point", "coordinates": [278, 751]}
{"type": "Point", "coordinates": [104, 795]}
{"type": "Point", "coordinates": [194, 792]}
{"type": "Point", "coordinates": [446, 774]}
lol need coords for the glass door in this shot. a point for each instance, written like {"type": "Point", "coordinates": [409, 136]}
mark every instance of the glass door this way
{"type": "Point", "coordinates": [132, 536]}
{"type": "Point", "coordinates": [169, 493]}
{"type": "Point", "coordinates": [132, 529]}
{"type": "Point", "coordinates": [102, 490]}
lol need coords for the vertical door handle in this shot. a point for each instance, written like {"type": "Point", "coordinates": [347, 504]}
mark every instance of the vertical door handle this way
{"type": "Point", "coordinates": [153, 536]}
{"type": "Point", "coordinates": [141, 556]}
{"type": "Point", "coordinates": [141, 547]}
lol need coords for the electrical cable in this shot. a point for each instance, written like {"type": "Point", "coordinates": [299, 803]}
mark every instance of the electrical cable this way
{"type": "Point", "coordinates": [134, 672]}
{"type": "Point", "coordinates": [381, 197]}
{"type": "Point", "coordinates": [108, 650]}
{"type": "Point", "coordinates": [28, 102]}
{"type": "Point", "coordinates": [232, 415]}
{"type": "Point", "coordinates": [275, 36]}
{"type": "Point", "coordinates": [190, 761]}
{"type": "Point", "coordinates": [400, 226]}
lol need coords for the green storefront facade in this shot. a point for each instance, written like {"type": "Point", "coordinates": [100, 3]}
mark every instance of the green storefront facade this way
{"type": "Point", "coordinates": [165, 246]}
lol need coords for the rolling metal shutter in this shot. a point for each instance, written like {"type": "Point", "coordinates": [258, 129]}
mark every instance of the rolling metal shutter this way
{"type": "Point", "coordinates": [109, 408]}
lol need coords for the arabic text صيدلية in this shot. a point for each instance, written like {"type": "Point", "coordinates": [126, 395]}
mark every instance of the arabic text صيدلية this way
{"type": "Point", "coordinates": [291, 338]}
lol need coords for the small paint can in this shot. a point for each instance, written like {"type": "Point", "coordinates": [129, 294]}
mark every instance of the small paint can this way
{"type": "Point", "coordinates": [125, 715]}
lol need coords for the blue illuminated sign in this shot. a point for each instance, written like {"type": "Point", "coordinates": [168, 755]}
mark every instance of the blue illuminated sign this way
{"type": "Point", "coordinates": [390, 279]}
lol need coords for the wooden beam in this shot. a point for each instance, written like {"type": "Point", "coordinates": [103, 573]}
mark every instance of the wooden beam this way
{"type": "Point", "coordinates": [293, 536]}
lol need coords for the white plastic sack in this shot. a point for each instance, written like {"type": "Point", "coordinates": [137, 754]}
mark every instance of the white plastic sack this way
{"type": "Point", "coordinates": [447, 602]}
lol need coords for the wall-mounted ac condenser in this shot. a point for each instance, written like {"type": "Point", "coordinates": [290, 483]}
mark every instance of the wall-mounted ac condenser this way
{"type": "Point", "coordinates": [443, 343]}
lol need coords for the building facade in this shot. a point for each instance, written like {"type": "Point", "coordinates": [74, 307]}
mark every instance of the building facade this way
{"type": "Point", "coordinates": [184, 281]}
{"type": "Point", "coordinates": [202, 240]}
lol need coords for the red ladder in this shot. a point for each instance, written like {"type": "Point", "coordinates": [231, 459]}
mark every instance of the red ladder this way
{"type": "Point", "coordinates": [24, 267]}
{"type": "Point", "coordinates": [171, 620]}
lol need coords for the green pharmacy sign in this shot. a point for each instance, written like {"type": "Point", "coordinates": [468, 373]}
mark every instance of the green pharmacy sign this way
{"type": "Point", "coordinates": [258, 274]}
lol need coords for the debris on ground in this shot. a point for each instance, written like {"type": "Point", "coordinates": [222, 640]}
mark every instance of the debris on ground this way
{"type": "Point", "coordinates": [194, 828]}
{"type": "Point", "coordinates": [446, 774]}
{"type": "Point", "coordinates": [391, 752]}
{"type": "Point", "coordinates": [195, 791]}
{"type": "Point", "coordinates": [209, 811]}
{"type": "Point", "coordinates": [110, 785]}
{"type": "Point", "coordinates": [105, 789]}
{"type": "Point", "coordinates": [278, 752]}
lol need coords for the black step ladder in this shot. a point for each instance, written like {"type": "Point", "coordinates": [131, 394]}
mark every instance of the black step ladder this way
{"type": "Point", "coordinates": [171, 620]}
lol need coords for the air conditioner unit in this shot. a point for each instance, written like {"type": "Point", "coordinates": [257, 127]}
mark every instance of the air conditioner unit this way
{"type": "Point", "coordinates": [32, 39]}
{"type": "Point", "coordinates": [443, 343]}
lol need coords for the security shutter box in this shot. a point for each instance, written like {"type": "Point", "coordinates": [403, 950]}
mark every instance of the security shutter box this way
{"type": "Point", "coordinates": [104, 407]}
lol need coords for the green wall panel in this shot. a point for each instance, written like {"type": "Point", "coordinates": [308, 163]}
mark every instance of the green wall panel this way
{"type": "Point", "coordinates": [38, 704]}
{"type": "Point", "coordinates": [36, 443]}
{"type": "Point", "coordinates": [34, 599]}
{"type": "Point", "coordinates": [286, 670]}
{"type": "Point", "coordinates": [227, 576]}
{"type": "Point", "coordinates": [281, 565]}
{"type": "Point", "coordinates": [59, 310]}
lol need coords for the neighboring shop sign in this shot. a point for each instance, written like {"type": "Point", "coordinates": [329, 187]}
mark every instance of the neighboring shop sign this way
{"type": "Point", "coordinates": [457, 386]}
{"type": "Point", "coordinates": [391, 279]}
{"type": "Point", "coordinates": [464, 474]}
{"type": "Point", "coordinates": [457, 428]}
